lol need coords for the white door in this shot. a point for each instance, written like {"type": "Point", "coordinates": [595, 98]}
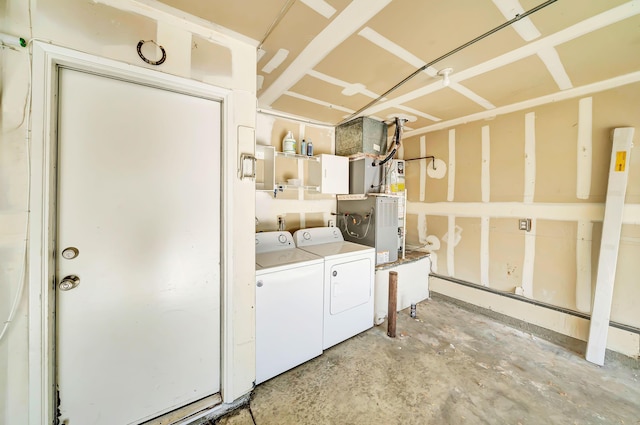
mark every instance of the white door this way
{"type": "Point", "coordinates": [139, 199]}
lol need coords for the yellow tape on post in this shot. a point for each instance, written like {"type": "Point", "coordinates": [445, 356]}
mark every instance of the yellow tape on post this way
{"type": "Point", "coordinates": [621, 161]}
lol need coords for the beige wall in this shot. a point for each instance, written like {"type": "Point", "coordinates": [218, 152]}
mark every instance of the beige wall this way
{"type": "Point", "coordinates": [547, 259]}
{"type": "Point", "coordinates": [106, 32]}
{"type": "Point", "coordinates": [505, 269]}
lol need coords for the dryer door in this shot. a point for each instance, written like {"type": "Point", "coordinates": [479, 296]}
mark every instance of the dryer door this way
{"type": "Point", "coordinates": [350, 284]}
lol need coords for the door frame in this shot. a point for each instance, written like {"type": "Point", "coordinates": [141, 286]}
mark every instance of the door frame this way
{"type": "Point", "coordinates": [47, 59]}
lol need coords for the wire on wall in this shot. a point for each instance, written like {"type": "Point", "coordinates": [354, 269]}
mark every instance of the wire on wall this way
{"type": "Point", "coordinates": [276, 21]}
{"type": "Point", "coordinates": [26, 118]}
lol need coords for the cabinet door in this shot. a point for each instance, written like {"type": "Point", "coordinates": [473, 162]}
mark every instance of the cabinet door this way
{"type": "Point", "coordinates": [265, 167]}
{"type": "Point", "coordinates": [331, 174]}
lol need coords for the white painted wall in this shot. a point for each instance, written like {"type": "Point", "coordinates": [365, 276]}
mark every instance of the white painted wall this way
{"type": "Point", "coordinates": [108, 32]}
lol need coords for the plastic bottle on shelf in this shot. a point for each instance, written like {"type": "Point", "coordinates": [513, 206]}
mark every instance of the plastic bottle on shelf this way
{"type": "Point", "coordinates": [309, 148]}
{"type": "Point", "coordinates": [289, 143]}
{"type": "Point", "coordinates": [303, 147]}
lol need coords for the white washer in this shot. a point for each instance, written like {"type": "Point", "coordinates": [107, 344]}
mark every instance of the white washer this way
{"type": "Point", "coordinates": [349, 275]}
{"type": "Point", "coordinates": [288, 305]}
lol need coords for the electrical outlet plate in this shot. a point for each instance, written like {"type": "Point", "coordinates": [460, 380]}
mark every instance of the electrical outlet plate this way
{"type": "Point", "coordinates": [524, 224]}
{"type": "Point", "coordinates": [331, 223]}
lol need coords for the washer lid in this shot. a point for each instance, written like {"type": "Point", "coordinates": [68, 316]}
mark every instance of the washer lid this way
{"type": "Point", "coordinates": [292, 257]}
{"type": "Point", "coordinates": [334, 249]}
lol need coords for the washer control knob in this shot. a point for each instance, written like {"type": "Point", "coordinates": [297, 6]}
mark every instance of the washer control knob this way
{"type": "Point", "coordinates": [259, 284]}
{"type": "Point", "coordinates": [306, 236]}
{"type": "Point", "coordinates": [282, 238]}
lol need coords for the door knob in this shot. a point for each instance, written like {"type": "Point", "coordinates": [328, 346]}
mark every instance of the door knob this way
{"type": "Point", "coordinates": [69, 282]}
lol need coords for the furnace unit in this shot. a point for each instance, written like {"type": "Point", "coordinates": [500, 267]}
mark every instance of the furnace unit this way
{"type": "Point", "coordinates": [371, 220]}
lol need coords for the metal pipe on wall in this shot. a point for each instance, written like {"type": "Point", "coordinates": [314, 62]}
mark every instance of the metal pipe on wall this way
{"type": "Point", "coordinates": [446, 55]}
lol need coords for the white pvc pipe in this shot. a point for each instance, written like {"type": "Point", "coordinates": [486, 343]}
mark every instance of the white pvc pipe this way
{"type": "Point", "coordinates": [9, 40]}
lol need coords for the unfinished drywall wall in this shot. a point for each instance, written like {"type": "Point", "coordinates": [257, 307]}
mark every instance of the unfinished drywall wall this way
{"type": "Point", "coordinates": [107, 32]}
{"type": "Point", "coordinates": [438, 225]}
{"type": "Point", "coordinates": [548, 164]}
{"type": "Point", "coordinates": [507, 167]}
{"type": "Point", "coordinates": [468, 161]}
{"type": "Point", "coordinates": [506, 254]}
{"type": "Point", "coordinates": [616, 108]}
{"type": "Point", "coordinates": [299, 207]}
{"type": "Point", "coordinates": [468, 247]}
{"type": "Point", "coordinates": [626, 296]}
{"type": "Point", "coordinates": [556, 167]}
{"type": "Point", "coordinates": [555, 263]}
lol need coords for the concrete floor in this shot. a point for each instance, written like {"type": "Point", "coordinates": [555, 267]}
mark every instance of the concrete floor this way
{"type": "Point", "coordinates": [448, 366]}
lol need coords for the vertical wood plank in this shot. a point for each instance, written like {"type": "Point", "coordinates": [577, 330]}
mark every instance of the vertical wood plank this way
{"type": "Point", "coordinates": [610, 244]}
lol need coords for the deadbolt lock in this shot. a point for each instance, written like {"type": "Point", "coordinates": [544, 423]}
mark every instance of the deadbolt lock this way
{"type": "Point", "coordinates": [69, 282]}
{"type": "Point", "coordinates": [70, 253]}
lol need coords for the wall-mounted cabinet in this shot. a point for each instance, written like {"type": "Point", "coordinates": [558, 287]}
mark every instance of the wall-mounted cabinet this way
{"type": "Point", "coordinates": [328, 174]}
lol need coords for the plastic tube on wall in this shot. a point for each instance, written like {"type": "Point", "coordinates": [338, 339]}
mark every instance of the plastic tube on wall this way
{"type": "Point", "coordinates": [9, 40]}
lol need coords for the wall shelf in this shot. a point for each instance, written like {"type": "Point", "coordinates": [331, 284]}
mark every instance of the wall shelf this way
{"type": "Point", "coordinates": [298, 156]}
{"type": "Point", "coordinates": [327, 174]}
{"type": "Point", "coordinates": [282, 187]}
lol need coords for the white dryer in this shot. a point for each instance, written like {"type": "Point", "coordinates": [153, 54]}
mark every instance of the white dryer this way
{"type": "Point", "coordinates": [289, 286]}
{"type": "Point", "coordinates": [349, 275]}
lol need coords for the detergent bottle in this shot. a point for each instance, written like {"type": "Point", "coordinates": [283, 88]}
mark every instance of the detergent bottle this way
{"type": "Point", "coordinates": [289, 143]}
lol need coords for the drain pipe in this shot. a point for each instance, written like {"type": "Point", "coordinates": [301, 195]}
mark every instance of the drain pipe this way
{"type": "Point", "coordinates": [446, 55]}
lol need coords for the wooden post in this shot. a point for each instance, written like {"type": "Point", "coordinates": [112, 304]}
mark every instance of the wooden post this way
{"type": "Point", "coordinates": [392, 314]}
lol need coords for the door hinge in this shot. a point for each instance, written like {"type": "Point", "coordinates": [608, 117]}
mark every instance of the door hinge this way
{"type": "Point", "coordinates": [58, 414]}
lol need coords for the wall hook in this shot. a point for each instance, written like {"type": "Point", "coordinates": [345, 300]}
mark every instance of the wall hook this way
{"type": "Point", "coordinates": [144, 58]}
